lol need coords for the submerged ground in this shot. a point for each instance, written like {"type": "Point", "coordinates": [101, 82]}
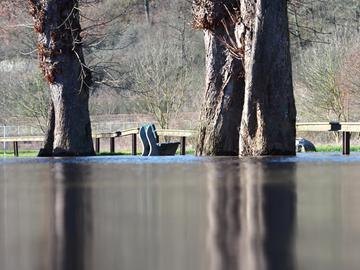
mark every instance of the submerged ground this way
{"type": "Point", "coordinates": [180, 213]}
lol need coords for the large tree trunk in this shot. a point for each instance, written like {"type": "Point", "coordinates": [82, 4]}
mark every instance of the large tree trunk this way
{"type": "Point", "coordinates": [61, 59]}
{"type": "Point", "coordinates": [269, 115]}
{"type": "Point", "coordinates": [222, 107]}
{"type": "Point", "coordinates": [268, 109]}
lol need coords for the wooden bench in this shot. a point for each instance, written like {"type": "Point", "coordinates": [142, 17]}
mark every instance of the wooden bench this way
{"type": "Point", "coordinates": [151, 144]}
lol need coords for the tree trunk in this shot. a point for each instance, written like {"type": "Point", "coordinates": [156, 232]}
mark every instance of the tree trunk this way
{"type": "Point", "coordinates": [268, 108]}
{"type": "Point", "coordinates": [62, 62]}
{"type": "Point", "coordinates": [221, 110]}
{"type": "Point", "coordinates": [47, 151]}
{"type": "Point", "coordinates": [269, 114]}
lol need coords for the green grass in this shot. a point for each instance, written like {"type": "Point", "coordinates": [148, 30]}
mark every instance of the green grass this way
{"type": "Point", "coordinates": [188, 152]}
{"type": "Point", "coordinates": [333, 148]}
{"type": "Point", "coordinates": [23, 153]}
{"type": "Point", "coordinates": [33, 153]}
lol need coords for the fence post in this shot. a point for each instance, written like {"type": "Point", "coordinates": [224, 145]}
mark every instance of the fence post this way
{"type": "Point", "coordinates": [133, 144]}
{"type": "Point", "coordinates": [16, 149]}
{"type": "Point", "coordinates": [183, 146]}
{"type": "Point", "coordinates": [112, 145]}
{"type": "Point", "coordinates": [4, 135]}
{"type": "Point", "coordinates": [97, 145]}
{"type": "Point", "coordinates": [346, 143]}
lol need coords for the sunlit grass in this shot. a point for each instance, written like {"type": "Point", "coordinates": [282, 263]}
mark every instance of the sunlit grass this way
{"type": "Point", "coordinates": [33, 153]}
{"type": "Point", "coordinates": [335, 148]}
{"type": "Point", "coordinates": [23, 153]}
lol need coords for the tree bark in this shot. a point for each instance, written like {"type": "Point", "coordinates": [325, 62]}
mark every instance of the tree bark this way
{"type": "Point", "coordinates": [263, 100]}
{"type": "Point", "coordinates": [57, 23]}
{"type": "Point", "coordinates": [222, 107]}
{"type": "Point", "coordinates": [47, 151]}
{"type": "Point", "coordinates": [269, 114]}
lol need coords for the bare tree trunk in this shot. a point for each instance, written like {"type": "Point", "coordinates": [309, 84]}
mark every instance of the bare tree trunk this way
{"type": "Point", "coordinates": [268, 109]}
{"type": "Point", "coordinates": [269, 115]}
{"type": "Point", "coordinates": [47, 151]}
{"type": "Point", "coordinates": [222, 107]}
{"type": "Point", "coordinates": [62, 62]}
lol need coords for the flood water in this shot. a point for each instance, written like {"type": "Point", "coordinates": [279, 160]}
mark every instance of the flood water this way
{"type": "Point", "coordinates": [180, 213]}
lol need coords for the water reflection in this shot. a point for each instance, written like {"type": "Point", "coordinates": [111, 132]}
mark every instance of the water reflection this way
{"type": "Point", "coordinates": [218, 214]}
{"type": "Point", "coordinates": [251, 212]}
{"type": "Point", "coordinates": [72, 210]}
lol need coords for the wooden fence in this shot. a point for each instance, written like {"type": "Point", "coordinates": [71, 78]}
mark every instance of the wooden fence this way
{"type": "Point", "coordinates": [133, 132]}
{"type": "Point", "coordinates": [346, 128]}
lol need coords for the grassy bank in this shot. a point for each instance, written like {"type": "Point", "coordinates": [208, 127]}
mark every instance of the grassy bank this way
{"type": "Point", "coordinates": [33, 153]}
{"type": "Point", "coordinates": [23, 153]}
{"type": "Point", "coordinates": [332, 148]}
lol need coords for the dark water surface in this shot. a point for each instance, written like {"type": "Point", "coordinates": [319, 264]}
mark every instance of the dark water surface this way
{"type": "Point", "coordinates": [180, 213]}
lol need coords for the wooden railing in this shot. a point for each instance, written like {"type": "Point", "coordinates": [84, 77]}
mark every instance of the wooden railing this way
{"type": "Point", "coordinates": [133, 132]}
{"type": "Point", "coordinates": [346, 128]}
{"type": "Point", "coordinates": [329, 126]}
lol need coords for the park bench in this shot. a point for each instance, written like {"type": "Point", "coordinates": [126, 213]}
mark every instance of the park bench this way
{"type": "Point", "coordinates": [303, 145]}
{"type": "Point", "coordinates": [151, 145]}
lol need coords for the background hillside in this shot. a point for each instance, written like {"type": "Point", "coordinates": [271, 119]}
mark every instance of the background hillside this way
{"type": "Point", "coordinates": [153, 63]}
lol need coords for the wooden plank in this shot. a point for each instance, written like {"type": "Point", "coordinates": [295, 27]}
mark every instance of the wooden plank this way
{"type": "Point", "coordinates": [350, 127]}
{"type": "Point", "coordinates": [324, 126]}
{"type": "Point", "coordinates": [161, 132]}
{"type": "Point", "coordinates": [105, 135]}
{"type": "Point", "coordinates": [41, 138]}
{"type": "Point", "coordinates": [128, 132]}
{"type": "Point", "coordinates": [316, 126]}
{"type": "Point", "coordinates": [23, 139]}
{"type": "Point", "coordinates": [312, 123]}
{"type": "Point", "coordinates": [176, 133]}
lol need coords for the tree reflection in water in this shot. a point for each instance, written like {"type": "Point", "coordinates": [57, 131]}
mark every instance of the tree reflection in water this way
{"type": "Point", "coordinates": [252, 212]}
{"type": "Point", "coordinates": [72, 218]}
